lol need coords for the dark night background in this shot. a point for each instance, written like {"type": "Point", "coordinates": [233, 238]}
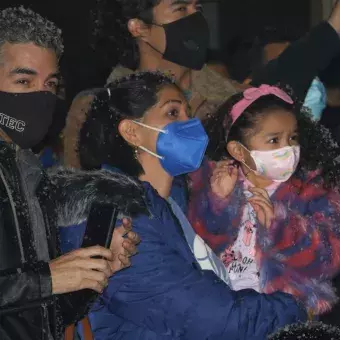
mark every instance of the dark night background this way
{"type": "Point", "coordinates": [84, 68]}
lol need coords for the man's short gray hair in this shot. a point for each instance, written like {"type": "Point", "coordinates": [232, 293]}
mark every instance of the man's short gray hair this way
{"type": "Point", "coordinates": [19, 25]}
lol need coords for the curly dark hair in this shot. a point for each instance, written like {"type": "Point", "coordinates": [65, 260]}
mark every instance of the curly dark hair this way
{"type": "Point", "coordinates": [21, 25]}
{"type": "Point", "coordinates": [110, 32]}
{"type": "Point", "coordinates": [127, 98]}
{"type": "Point", "coordinates": [318, 149]}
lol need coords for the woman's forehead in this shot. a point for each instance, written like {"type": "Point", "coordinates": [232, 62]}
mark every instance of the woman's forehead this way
{"type": "Point", "coordinates": [171, 93]}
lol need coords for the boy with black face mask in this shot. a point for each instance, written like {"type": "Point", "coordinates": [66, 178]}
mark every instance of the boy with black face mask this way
{"type": "Point", "coordinates": [34, 281]}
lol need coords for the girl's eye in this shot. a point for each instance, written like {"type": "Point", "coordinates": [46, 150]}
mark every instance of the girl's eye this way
{"type": "Point", "coordinates": [295, 138]}
{"type": "Point", "coordinates": [274, 141]}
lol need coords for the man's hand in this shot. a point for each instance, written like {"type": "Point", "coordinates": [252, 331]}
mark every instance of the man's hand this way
{"type": "Point", "coordinates": [123, 245]}
{"type": "Point", "coordinates": [79, 270]}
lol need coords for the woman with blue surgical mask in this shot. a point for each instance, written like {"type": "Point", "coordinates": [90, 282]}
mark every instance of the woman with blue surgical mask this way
{"type": "Point", "coordinates": [176, 287]}
{"type": "Point", "coordinates": [316, 99]}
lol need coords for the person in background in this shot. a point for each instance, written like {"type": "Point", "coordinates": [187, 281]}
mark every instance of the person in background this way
{"type": "Point", "coordinates": [35, 281]}
{"type": "Point", "coordinates": [246, 54]}
{"type": "Point", "coordinates": [273, 41]}
{"type": "Point", "coordinates": [331, 115]}
{"type": "Point", "coordinates": [268, 46]}
{"type": "Point", "coordinates": [241, 58]}
{"type": "Point", "coordinates": [140, 125]}
{"type": "Point", "coordinates": [173, 36]}
{"type": "Point", "coordinates": [270, 207]}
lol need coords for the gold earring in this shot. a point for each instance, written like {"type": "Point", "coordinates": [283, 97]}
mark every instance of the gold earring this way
{"type": "Point", "coordinates": [135, 153]}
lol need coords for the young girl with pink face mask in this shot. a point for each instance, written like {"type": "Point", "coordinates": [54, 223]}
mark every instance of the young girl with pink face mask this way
{"type": "Point", "coordinates": [268, 200]}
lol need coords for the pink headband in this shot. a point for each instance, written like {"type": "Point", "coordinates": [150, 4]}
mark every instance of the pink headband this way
{"type": "Point", "coordinates": [253, 94]}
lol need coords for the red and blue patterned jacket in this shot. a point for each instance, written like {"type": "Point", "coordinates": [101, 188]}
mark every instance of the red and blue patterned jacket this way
{"type": "Point", "coordinates": [299, 253]}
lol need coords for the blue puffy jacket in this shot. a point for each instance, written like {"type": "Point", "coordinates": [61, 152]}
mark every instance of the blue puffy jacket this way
{"type": "Point", "coordinates": [165, 295]}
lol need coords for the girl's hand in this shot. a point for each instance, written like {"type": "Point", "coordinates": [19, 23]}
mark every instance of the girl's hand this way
{"type": "Point", "coordinates": [224, 178]}
{"type": "Point", "coordinates": [262, 206]}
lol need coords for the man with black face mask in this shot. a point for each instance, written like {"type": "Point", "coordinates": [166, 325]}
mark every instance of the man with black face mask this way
{"type": "Point", "coordinates": [35, 284]}
{"type": "Point", "coordinates": [173, 36]}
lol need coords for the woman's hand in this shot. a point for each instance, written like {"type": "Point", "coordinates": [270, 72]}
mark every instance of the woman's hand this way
{"type": "Point", "coordinates": [123, 245]}
{"type": "Point", "coordinates": [262, 205]}
{"type": "Point", "coordinates": [224, 178]}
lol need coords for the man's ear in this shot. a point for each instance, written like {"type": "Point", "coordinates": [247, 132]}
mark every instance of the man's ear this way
{"type": "Point", "coordinates": [236, 150]}
{"type": "Point", "coordinates": [138, 28]}
{"type": "Point", "coordinates": [129, 131]}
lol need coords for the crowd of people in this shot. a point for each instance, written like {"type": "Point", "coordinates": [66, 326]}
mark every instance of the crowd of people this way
{"type": "Point", "coordinates": [226, 182]}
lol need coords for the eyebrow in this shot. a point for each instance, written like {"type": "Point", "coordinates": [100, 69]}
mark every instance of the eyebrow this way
{"type": "Point", "coordinates": [23, 70]}
{"type": "Point", "coordinates": [172, 101]}
{"type": "Point", "coordinates": [180, 2]}
{"type": "Point", "coordinates": [32, 72]}
{"type": "Point", "coordinates": [274, 134]}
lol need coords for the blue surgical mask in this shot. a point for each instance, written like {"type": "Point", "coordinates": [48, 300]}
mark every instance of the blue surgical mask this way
{"type": "Point", "coordinates": [180, 146]}
{"type": "Point", "coordinates": [316, 99]}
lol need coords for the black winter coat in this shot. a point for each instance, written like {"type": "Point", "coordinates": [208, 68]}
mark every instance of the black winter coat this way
{"type": "Point", "coordinates": [31, 207]}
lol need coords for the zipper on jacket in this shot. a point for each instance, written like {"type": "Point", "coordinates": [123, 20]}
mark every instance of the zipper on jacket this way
{"type": "Point", "coordinates": [28, 305]}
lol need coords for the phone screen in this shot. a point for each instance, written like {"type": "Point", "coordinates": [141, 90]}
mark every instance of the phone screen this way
{"type": "Point", "coordinates": [100, 226]}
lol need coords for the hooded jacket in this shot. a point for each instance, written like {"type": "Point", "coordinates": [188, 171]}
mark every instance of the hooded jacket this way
{"type": "Point", "coordinates": [299, 253]}
{"type": "Point", "coordinates": [32, 205]}
{"type": "Point", "coordinates": [166, 295]}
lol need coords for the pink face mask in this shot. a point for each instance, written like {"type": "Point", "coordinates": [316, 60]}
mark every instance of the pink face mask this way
{"type": "Point", "coordinates": [277, 165]}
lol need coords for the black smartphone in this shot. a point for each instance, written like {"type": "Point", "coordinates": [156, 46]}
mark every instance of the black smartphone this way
{"type": "Point", "coordinates": [100, 225]}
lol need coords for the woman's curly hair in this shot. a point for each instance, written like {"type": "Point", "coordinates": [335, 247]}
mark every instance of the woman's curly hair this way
{"type": "Point", "coordinates": [130, 98]}
{"type": "Point", "coordinates": [318, 149]}
{"type": "Point", "coordinates": [110, 31]}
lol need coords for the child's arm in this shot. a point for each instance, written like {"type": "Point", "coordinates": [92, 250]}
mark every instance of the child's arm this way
{"type": "Point", "coordinates": [211, 215]}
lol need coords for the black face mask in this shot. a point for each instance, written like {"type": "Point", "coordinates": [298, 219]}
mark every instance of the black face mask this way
{"type": "Point", "coordinates": [187, 41]}
{"type": "Point", "coordinates": [26, 117]}
{"type": "Point", "coordinates": [57, 126]}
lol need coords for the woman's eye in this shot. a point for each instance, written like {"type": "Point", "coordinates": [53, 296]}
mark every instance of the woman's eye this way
{"type": "Point", "coordinates": [173, 113]}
